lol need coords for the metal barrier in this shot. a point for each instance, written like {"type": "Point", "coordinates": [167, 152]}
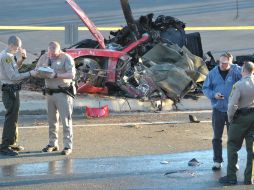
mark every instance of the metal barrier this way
{"type": "Point", "coordinates": [71, 33]}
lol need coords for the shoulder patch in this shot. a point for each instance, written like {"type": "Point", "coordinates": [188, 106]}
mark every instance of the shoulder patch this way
{"type": "Point", "coordinates": [7, 60]}
{"type": "Point", "coordinates": [233, 89]}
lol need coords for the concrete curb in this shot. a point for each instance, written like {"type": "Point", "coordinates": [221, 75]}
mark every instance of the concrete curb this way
{"type": "Point", "coordinates": [34, 103]}
{"type": "Point", "coordinates": [202, 103]}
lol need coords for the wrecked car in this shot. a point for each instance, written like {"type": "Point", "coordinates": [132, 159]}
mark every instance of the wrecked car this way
{"type": "Point", "coordinates": [149, 59]}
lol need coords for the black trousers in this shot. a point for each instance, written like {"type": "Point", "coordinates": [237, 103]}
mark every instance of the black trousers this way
{"type": "Point", "coordinates": [10, 131]}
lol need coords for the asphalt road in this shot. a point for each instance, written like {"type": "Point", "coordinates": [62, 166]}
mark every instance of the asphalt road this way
{"type": "Point", "coordinates": [122, 169]}
{"type": "Point", "coordinates": [160, 172]}
{"type": "Point", "coordinates": [41, 174]}
{"type": "Point", "coordinates": [119, 119]}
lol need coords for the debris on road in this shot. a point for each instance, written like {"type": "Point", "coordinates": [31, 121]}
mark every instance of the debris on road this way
{"type": "Point", "coordinates": [193, 119]}
{"type": "Point", "coordinates": [164, 162]}
{"type": "Point", "coordinates": [194, 162]}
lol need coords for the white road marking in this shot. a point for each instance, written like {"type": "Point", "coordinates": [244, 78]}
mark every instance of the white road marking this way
{"type": "Point", "coordinates": [120, 124]}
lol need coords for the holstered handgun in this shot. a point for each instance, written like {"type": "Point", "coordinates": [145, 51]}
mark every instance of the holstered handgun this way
{"type": "Point", "coordinates": [68, 90]}
{"type": "Point", "coordinates": [11, 87]}
{"type": "Point", "coordinates": [242, 111]}
{"type": "Point", "coordinates": [236, 115]}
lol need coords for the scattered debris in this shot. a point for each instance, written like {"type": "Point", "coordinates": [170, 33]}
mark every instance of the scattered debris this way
{"type": "Point", "coordinates": [101, 111]}
{"type": "Point", "coordinates": [193, 119]}
{"type": "Point", "coordinates": [164, 162]}
{"type": "Point", "coordinates": [193, 162]}
{"type": "Point", "coordinates": [160, 131]}
{"type": "Point", "coordinates": [188, 172]}
{"type": "Point", "coordinates": [131, 126]}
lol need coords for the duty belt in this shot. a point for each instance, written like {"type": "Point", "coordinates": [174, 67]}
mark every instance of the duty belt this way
{"type": "Point", "coordinates": [245, 111]}
{"type": "Point", "coordinates": [66, 90]}
{"type": "Point", "coordinates": [11, 87]}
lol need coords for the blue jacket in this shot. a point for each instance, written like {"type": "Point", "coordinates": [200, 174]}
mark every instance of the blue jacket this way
{"type": "Point", "coordinates": [215, 83]}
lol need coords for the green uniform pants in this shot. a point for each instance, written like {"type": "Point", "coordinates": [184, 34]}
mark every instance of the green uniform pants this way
{"type": "Point", "coordinates": [241, 128]}
{"type": "Point", "coordinates": [10, 131]}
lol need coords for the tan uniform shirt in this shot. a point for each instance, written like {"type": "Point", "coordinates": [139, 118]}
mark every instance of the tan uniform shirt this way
{"type": "Point", "coordinates": [242, 95]}
{"type": "Point", "coordinates": [63, 64]}
{"type": "Point", "coordinates": [9, 73]}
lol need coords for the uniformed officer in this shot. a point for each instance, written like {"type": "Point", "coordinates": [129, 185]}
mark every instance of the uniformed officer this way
{"type": "Point", "coordinates": [241, 117]}
{"type": "Point", "coordinates": [10, 83]}
{"type": "Point", "coordinates": [59, 101]}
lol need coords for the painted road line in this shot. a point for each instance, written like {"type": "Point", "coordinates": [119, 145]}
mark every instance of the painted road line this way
{"type": "Point", "coordinates": [126, 114]}
{"type": "Point", "coordinates": [161, 112]}
{"type": "Point", "coordinates": [119, 124]}
{"type": "Point", "coordinates": [61, 28]}
{"type": "Point", "coordinates": [207, 28]}
{"type": "Point", "coordinates": [52, 28]}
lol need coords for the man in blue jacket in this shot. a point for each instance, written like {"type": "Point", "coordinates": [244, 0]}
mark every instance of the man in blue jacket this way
{"type": "Point", "coordinates": [217, 88]}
